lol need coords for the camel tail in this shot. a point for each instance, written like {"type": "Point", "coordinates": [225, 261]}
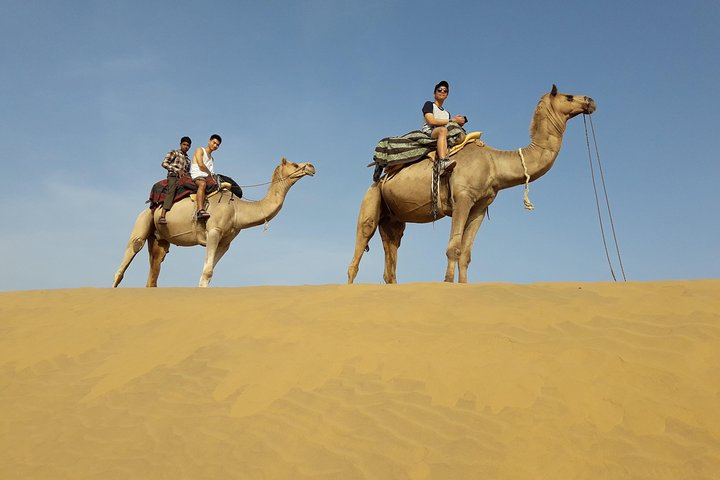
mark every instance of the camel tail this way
{"type": "Point", "coordinates": [367, 224]}
{"type": "Point", "coordinates": [141, 231]}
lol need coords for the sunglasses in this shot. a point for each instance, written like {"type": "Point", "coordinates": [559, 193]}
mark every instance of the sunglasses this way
{"type": "Point", "coordinates": [442, 90]}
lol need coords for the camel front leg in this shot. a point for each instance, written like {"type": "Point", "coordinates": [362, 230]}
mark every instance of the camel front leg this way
{"type": "Point", "coordinates": [366, 225]}
{"type": "Point", "coordinates": [221, 250]}
{"type": "Point", "coordinates": [461, 210]}
{"type": "Point", "coordinates": [391, 232]}
{"type": "Point", "coordinates": [157, 249]}
{"type": "Point", "coordinates": [475, 219]}
{"type": "Point", "coordinates": [211, 251]}
{"type": "Point", "coordinates": [142, 229]}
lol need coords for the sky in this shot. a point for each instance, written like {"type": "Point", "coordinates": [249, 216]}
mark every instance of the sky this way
{"type": "Point", "coordinates": [94, 93]}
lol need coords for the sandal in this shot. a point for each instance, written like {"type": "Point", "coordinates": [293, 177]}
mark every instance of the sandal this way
{"type": "Point", "coordinates": [202, 214]}
{"type": "Point", "coordinates": [162, 221]}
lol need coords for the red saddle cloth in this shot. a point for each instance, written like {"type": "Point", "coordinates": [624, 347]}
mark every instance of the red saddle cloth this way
{"type": "Point", "coordinates": [185, 186]}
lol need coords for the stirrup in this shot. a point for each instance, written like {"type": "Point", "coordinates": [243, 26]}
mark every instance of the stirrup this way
{"type": "Point", "coordinates": [446, 166]}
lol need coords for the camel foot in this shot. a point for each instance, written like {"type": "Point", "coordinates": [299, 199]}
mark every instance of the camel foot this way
{"type": "Point", "coordinates": [352, 273]}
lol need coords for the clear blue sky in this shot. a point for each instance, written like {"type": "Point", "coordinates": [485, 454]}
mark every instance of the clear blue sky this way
{"type": "Point", "coordinates": [94, 93]}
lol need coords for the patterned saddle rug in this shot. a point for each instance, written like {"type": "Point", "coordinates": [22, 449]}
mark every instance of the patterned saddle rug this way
{"type": "Point", "coordinates": [409, 148]}
{"type": "Point", "coordinates": [186, 187]}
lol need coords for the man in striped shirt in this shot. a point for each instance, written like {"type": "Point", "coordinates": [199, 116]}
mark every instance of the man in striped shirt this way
{"type": "Point", "coordinates": [177, 163]}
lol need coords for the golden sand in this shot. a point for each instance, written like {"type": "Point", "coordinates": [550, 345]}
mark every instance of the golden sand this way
{"type": "Point", "coordinates": [416, 381]}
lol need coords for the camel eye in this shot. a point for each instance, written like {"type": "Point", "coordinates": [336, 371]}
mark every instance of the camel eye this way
{"type": "Point", "coordinates": [569, 98]}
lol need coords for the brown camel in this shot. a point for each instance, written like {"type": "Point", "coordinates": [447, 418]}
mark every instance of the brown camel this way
{"type": "Point", "coordinates": [228, 215]}
{"type": "Point", "coordinates": [480, 172]}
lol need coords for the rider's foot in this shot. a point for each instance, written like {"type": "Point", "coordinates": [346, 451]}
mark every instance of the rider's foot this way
{"type": "Point", "coordinates": [446, 166]}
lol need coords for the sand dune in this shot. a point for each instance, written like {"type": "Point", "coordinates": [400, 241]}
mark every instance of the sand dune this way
{"type": "Point", "coordinates": [416, 381]}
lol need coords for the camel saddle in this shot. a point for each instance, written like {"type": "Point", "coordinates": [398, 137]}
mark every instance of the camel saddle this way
{"type": "Point", "coordinates": [472, 137]}
{"type": "Point", "coordinates": [187, 188]}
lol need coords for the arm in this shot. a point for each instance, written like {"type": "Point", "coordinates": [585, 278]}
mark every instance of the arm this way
{"type": "Point", "coordinates": [167, 162]}
{"type": "Point", "coordinates": [459, 119]}
{"type": "Point", "coordinates": [432, 121]}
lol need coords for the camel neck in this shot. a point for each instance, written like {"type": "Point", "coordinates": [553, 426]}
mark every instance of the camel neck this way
{"type": "Point", "coordinates": [546, 134]}
{"type": "Point", "coordinates": [270, 205]}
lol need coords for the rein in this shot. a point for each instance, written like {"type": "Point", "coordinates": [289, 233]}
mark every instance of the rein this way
{"type": "Point", "coordinates": [607, 201]}
{"type": "Point", "coordinates": [271, 182]}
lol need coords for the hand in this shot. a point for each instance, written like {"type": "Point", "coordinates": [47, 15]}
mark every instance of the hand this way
{"type": "Point", "coordinates": [459, 119]}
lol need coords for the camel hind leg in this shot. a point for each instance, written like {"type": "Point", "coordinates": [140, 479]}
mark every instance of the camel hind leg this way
{"type": "Point", "coordinates": [391, 232]}
{"type": "Point", "coordinates": [367, 223]}
{"type": "Point", "coordinates": [157, 249]}
{"type": "Point", "coordinates": [142, 229]}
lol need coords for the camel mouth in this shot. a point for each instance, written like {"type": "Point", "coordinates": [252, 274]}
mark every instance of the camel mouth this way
{"type": "Point", "coordinates": [309, 169]}
{"type": "Point", "coordinates": [590, 107]}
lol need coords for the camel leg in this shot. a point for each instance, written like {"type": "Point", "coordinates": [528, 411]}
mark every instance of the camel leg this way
{"type": "Point", "coordinates": [475, 219]}
{"type": "Point", "coordinates": [366, 225]}
{"type": "Point", "coordinates": [211, 251]}
{"type": "Point", "coordinates": [142, 229]}
{"type": "Point", "coordinates": [157, 249]}
{"type": "Point", "coordinates": [221, 250]}
{"type": "Point", "coordinates": [391, 232]}
{"type": "Point", "coordinates": [461, 210]}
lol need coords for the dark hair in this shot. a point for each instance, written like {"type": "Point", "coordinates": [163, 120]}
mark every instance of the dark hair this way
{"type": "Point", "coordinates": [442, 83]}
{"type": "Point", "coordinates": [217, 137]}
{"type": "Point", "coordinates": [186, 139]}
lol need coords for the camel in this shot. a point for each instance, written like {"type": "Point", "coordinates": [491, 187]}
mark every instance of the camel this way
{"type": "Point", "coordinates": [228, 216]}
{"type": "Point", "coordinates": [480, 173]}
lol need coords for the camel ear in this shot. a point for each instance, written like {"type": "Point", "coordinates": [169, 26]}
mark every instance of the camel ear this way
{"type": "Point", "coordinates": [553, 92]}
{"type": "Point", "coordinates": [284, 161]}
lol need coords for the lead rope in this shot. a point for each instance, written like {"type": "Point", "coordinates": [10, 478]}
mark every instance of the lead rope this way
{"type": "Point", "coordinates": [607, 201]}
{"type": "Point", "coordinates": [526, 196]}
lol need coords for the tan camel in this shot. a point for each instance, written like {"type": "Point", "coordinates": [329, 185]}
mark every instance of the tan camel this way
{"type": "Point", "coordinates": [228, 215]}
{"type": "Point", "coordinates": [480, 172]}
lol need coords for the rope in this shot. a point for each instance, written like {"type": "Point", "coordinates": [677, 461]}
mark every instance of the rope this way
{"type": "Point", "coordinates": [607, 201]}
{"type": "Point", "coordinates": [526, 196]}
{"type": "Point", "coordinates": [434, 188]}
{"type": "Point", "coordinates": [270, 182]}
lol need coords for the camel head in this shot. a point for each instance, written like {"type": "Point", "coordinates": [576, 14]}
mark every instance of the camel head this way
{"type": "Point", "coordinates": [292, 171]}
{"type": "Point", "coordinates": [569, 105]}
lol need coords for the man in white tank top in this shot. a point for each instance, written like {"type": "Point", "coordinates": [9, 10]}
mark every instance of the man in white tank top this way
{"type": "Point", "coordinates": [202, 166]}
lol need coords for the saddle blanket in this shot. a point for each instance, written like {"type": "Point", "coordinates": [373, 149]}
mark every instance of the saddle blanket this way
{"type": "Point", "coordinates": [411, 147]}
{"type": "Point", "coordinates": [185, 186]}
{"type": "Point", "coordinates": [414, 146]}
